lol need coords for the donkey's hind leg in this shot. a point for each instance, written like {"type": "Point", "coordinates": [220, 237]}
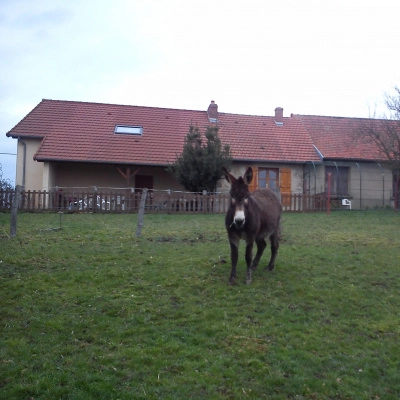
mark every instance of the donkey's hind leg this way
{"type": "Point", "coordinates": [248, 257]}
{"type": "Point", "coordinates": [274, 250]}
{"type": "Point", "coordinates": [234, 258]}
{"type": "Point", "coordinates": [261, 245]}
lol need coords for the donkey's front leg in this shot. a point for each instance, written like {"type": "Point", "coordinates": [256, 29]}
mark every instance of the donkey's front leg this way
{"type": "Point", "coordinates": [249, 257]}
{"type": "Point", "coordinates": [234, 260]}
{"type": "Point", "coordinates": [274, 251]}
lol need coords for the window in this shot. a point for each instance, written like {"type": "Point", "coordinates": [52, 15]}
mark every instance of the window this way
{"type": "Point", "coordinates": [268, 178]}
{"type": "Point", "coordinates": [128, 130]}
{"type": "Point", "coordinates": [339, 180]}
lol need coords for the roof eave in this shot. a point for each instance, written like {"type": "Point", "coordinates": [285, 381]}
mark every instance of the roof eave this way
{"type": "Point", "coordinates": [63, 160]}
{"type": "Point", "coordinates": [252, 161]}
{"type": "Point", "coordinates": [355, 160]}
{"type": "Point", "coordinates": [23, 136]}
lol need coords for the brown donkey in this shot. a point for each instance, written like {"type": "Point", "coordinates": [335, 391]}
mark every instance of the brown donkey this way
{"type": "Point", "coordinates": [253, 217]}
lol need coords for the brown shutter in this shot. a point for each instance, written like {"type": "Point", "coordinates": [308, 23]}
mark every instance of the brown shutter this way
{"type": "Point", "coordinates": [286, 185]}
{"type": "Point", "coordinates": [254, 182]}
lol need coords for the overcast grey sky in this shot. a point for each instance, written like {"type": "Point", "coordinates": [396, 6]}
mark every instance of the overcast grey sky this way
{"type": "Point", "coordinates": [310, 57]}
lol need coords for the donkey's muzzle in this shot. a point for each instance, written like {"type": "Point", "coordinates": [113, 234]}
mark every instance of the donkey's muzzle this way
{"type": "Point", "coordinates": [239, 219]}
{"type": "Point", "coordinates": [239, 224]}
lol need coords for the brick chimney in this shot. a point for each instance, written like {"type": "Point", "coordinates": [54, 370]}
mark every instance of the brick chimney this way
{"type": "Point", "coordinates": [212, 112]}
{"type": "Point", "coordinates": [279, 116]}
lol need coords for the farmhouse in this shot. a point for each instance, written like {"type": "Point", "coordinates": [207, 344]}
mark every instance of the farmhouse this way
{"type": "Point", "coordinates": [81, 145]}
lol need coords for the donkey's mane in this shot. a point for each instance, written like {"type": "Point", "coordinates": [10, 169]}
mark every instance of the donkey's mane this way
{"type": "Point", "coordinates": [239, 189]}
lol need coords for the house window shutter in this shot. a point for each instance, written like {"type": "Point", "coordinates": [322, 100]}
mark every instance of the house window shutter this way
{"type": "Point", "coordinates": [286, 185]}
{"type": "Point", "coordinates": [254, 183]}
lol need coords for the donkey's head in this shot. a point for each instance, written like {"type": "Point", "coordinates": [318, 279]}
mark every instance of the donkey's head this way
{"type": "Point", "coordinates": [239, 195]}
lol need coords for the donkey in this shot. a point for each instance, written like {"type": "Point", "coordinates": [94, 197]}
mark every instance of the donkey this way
{"type": "Point", "coordinates": [253, 217]}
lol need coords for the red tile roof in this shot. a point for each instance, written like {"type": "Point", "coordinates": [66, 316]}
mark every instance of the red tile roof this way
{"type": "Point", "coordinates": [342, 138]}
{"type": "Point", "coordinates": [77, 131]}
{"type": "Point", "coordinates": [84, 132]}
{"type": "Point", "coordinates": [258, 138]}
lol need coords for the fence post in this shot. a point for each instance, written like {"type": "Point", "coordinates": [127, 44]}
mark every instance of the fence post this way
{"type": "Point", "coordinates": [141, 213]}
{"type": "Point", "coordinates": [14, 211]}
{"type": "Point", "coordinates": [94, 199]}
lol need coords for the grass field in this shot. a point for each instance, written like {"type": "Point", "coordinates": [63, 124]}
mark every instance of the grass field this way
{"type": "Point", "coordinates": [92, 312]}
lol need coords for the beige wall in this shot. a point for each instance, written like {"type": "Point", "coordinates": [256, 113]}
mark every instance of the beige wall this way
{"type": "Point", "coordinates": [33, 170]}
{"type": "Point", "coordinates": [369, 185]}
{"type": "Point", "coordinates": [106, 176]}
{"type": "Point", "coordinates": [48, 176]}
{"type": "Point", "coordinates": [296, 175]}
{"type": "Point", "coordinates": [376, 182]}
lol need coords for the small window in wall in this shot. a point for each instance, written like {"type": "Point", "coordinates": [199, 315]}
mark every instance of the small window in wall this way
{"type": "Point", "coordinates": [339, 180]}
{"type": "Point", "coordinates": [128, 129]}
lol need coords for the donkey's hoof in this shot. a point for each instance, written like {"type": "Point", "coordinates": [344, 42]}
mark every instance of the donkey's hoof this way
{"type": "Point", "coordinates": [231, 282]}
{"type": "Point", "coordinates": [248, 281]}
{"type": "Point", "coordinates": [270, 267]}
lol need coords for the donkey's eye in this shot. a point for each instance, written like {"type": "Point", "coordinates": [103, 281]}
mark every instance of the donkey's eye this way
{"type": "Point", "coordinates": [246, 201]}
{"type": "Point", "coordinates": [233, 201]}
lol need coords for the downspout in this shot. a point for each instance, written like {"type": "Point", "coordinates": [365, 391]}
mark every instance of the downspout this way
{"type": "Point", "coordinates": [308, 171]}
{"type": "Point", "coordinates": [337, 178]}
{"type": "Point", "coordinates": [315, 177]}
{"type": "Point", "coordinates": [359, 170]}
{"type": "Point", "coordinates": [23, 162]}
{"type": "Point", "coordinates": [383, 186]}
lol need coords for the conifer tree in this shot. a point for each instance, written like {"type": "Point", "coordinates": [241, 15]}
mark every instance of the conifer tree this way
{"type": "Point", "coordinates": [198, 167]}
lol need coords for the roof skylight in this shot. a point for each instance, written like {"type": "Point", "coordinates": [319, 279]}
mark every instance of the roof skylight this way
{"type": "Point", "coordinates": [128, 129]}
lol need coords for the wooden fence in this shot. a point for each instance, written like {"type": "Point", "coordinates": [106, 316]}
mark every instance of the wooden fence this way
{"type": "Point", "coordinates": [128, 201]}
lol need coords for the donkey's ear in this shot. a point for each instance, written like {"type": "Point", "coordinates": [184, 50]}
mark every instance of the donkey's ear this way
{"type": "Point", "coordinates": [229, 177]}
{"type": "Point", "coordinates": [248, 176]}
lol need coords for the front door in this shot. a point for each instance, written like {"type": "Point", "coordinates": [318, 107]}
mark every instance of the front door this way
{"type": "Point", "coordinates": [143, 181]}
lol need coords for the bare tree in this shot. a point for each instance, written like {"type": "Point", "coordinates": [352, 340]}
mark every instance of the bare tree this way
{"type": "Point", "coordinates": [384, 134]}
{"type": "Point", "coordinates": [5, 184]}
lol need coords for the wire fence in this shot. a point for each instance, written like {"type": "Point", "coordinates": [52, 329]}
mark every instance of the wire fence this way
{"type": "Point", "coordinates": [123, 200]}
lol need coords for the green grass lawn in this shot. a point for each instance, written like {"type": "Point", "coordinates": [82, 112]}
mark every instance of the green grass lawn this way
{"type": "Point", "coordinates": [92, 312]}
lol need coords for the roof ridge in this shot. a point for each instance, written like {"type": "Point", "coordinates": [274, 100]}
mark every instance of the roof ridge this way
{"type": "Point", "coordinates": [157, 108]}
{"type": "Point", "coordinates": [120, 105]}
{"type": "Point", "coordinates": [340, 117]}
{"type": "Point", "coordinates": [249, 115]}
